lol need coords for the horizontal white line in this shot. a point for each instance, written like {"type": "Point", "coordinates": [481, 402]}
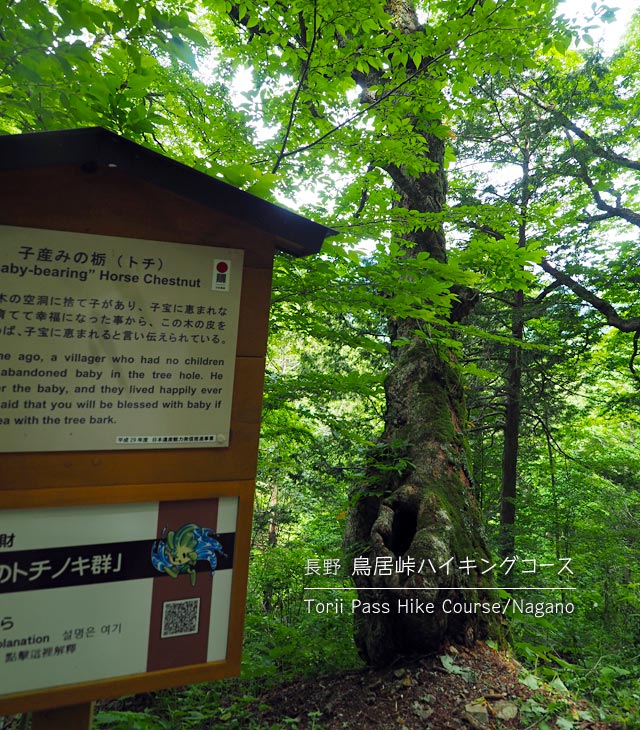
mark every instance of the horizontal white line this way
{"type": "Point", "coordinates": [557, 588]}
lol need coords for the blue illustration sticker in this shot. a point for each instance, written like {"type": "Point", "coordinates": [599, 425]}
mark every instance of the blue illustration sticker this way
{"type": "Point", "coordinates": [182, 549]}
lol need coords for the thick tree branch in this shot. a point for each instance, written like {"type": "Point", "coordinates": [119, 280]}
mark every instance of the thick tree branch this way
{"type": "Point", "coordinates": [634, 354]}
{"type": "Point", "coordinates": [596, 218]}
{"type": "Point", "coordinates": [610, 211]}
{"type": "Point", "coordinates": [632, 324]}
{"type": "Point", "coordinates": [614, 211]}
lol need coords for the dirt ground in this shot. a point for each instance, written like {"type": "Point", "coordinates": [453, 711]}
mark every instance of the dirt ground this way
{"type": "Point", "coordinates": [478, 688]}
{"type": "Point", "coordinates": [475, 688]}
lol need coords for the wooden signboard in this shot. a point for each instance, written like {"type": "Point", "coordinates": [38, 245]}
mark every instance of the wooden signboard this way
{"type": "Point", "coordinates": [134, 294]}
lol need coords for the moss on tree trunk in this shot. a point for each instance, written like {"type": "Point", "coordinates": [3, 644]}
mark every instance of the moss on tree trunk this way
{"type": "Point", "coordinates": [427, 511]}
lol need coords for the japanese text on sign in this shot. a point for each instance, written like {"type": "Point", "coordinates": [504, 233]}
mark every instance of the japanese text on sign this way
{"type": "Point", "coordinates": [111, 343]}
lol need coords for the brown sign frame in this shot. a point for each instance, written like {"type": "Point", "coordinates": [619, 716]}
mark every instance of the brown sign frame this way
{"type": "Point", "coordinates": [92, 181]}
{"type": "Point", "coordinates": [80, 693]}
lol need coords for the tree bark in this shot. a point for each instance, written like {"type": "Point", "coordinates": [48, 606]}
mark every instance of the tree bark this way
{"type": "Point", "coordinates": [419, 501]}
{"type": "Point", "coordinates": [514, 382]}
{"type": "Point", "coordinates": [511, 431]}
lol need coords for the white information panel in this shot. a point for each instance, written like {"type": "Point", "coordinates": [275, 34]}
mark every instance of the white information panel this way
{"type": "Point", "coordinates": [115, 343]}
{"type": "Point", "coordinates": [89, 593]}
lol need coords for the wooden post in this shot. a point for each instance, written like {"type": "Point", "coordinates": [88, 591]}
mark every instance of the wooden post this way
{"type": "Point", "coordinates": [73, 717]}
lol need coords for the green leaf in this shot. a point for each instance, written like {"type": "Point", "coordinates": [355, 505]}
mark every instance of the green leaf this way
{"type": "Point", "coordinates": [530, 681]}
{"type": "Point", "coordinates": [264, 187]}
{"type": "Point", "coordinates": [180, 49]}
{"type": "Point", "coordinates": [559, 685]}
{"type": "Point", "coordinates": [478, 372]}
{"type": "Point", "coordinates": [449, 664]}
{"type": "Point", "coordinates": [564, 724]}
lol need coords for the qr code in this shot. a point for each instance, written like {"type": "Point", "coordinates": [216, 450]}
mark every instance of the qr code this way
{"type": "Point", "coordinates": [180, 618]}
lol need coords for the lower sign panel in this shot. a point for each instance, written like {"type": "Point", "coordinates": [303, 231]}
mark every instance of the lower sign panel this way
{"type": "Point", "coordinates": [97, 592]}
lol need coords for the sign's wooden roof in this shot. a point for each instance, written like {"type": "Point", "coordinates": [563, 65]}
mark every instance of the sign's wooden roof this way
{"type": "Point", "coordinates": [96, 148]}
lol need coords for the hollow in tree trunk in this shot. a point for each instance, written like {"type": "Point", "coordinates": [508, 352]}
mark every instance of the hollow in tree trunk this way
{"type": "Point", "coordinates": [426, 511]}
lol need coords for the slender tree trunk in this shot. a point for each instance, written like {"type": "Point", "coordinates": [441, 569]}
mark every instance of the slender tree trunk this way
{"type": "Point", "coordinates": [514, 385]}
{"type": "Point", "coordinates": [557, 527]}
{"type": "Point", "coordinates": [272, 537]}
{"type": "Point", "coordinates": [511, 431]}
{"type": "Point", "coordinates": [272, 541]}
{"type": "Point", "coordinates": [427, 512]}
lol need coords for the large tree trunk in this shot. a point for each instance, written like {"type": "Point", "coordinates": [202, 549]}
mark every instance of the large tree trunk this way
{"type": "Point", "coordinates": [428, 511]}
